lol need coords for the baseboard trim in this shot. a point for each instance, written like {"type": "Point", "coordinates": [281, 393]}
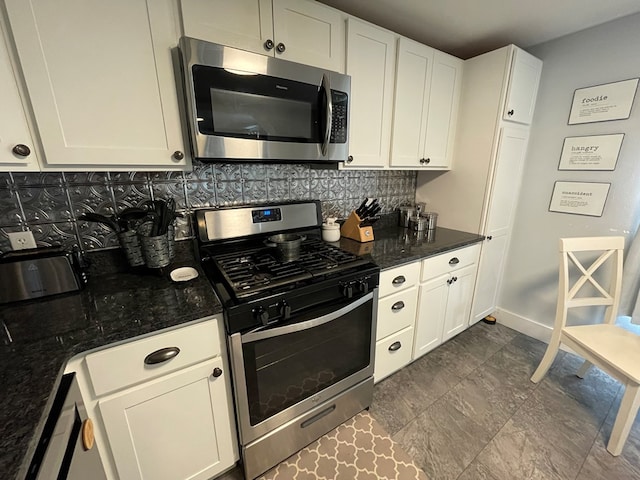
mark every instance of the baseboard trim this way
{"type": "Point", "coordinates": [526, 326]}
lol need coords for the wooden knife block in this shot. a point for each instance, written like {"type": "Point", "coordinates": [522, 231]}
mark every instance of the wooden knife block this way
{"type": "Point", "coordinates": [352, 229]}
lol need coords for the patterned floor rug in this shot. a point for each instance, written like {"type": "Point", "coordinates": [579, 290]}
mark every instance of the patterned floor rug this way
{"type": "Point", "coordinates": [359, 449]}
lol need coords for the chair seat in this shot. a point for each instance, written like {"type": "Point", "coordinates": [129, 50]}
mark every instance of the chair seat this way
{"type": "Point", "coordinates": [614, 345]}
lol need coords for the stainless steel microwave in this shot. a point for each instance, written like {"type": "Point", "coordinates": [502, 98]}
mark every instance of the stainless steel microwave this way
{"type": "Point", "coordinates": [245, 106]}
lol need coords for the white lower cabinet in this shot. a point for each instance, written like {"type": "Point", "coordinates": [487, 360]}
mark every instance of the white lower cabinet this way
{"type": "Point", "coordinates": [393, 353]}
{"type": "Point", "coordinates": [175, 427]}
{"type": "Point", "coordinates": [444, 301]}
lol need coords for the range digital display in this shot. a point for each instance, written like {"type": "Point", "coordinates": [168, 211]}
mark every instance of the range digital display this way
{"type": "Point", "coordinates": [266, 215]}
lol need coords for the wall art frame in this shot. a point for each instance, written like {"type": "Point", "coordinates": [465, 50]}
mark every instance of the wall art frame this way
{"type": "Point", "coordinates": [591, 152]}
{"type": "Point", "coordinates": [579, 198]}
{"type": "Point", "coordinates": [603, 103]}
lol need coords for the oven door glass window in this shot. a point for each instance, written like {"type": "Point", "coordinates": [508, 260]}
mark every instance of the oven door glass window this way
{"type": "Point", "coordinates": [285, 369]}
{"type": "Point", "coordinates": [259, 107]}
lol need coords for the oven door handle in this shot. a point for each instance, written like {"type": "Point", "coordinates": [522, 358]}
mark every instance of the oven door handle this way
{"type": "Point", "coordinates": [256, 335]}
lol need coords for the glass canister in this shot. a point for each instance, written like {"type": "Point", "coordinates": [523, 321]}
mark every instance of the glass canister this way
{"type": "Point", "coordinates": [405, 212]}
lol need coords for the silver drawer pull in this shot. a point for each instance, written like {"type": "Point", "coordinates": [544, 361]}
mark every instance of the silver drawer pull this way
{"type": "Point", "coordinates": [399, 280]}
{"type": "Point", "coordinates": [454, 261]}
{"type": "Point", "coordinates": [161, 355]}
{"type": "Point", "coordinates": [397, 306]}
{"type": "Point", "coordinates": [395, 346]}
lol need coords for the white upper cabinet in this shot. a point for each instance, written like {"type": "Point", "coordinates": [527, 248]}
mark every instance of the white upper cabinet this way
{"type": "Point", "coordinates": [427, 94]}
{"type": "Point", "coordinates": [297, 30]}
{"type": "Point", "coordinates": [371, 57]}
{"type": "Point", "coordinates": [100, 79]}
{"type": "Point", "coordinates": [17, 152]}
{"type": "Point", "coordinates": [523, 87]}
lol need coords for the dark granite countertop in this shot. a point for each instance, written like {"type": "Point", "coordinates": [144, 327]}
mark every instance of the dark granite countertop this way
{"type": "Point", "coordinates": [394, 246]}
{"type": "Point", "coordinates": [38, 337]}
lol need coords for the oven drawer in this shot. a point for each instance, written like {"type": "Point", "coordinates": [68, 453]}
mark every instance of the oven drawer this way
{"type": "Point", "coordinates": [447, 262]}
{"type": "Point", "coordinates": [398, 278]}
{"type": "Point", "coordinates": [396, 312]}
{"type": "Point", "coordinates": [134, 362]}
{"type": "Point", "coordinates": [393, 353]}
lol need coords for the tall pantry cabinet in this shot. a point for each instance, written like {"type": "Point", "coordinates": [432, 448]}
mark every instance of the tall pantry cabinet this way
{"type": "Point", "coordinates": [480, 193]}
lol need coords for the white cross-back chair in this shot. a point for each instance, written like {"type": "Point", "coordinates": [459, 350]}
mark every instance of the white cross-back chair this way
{"type": "Point", "coordinates": [605, 345]}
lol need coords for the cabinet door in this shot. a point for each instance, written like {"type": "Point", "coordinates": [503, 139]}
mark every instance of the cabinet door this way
{"type": "Point", "coordinates": [413, 82]}
{"type": "Point", "coordinates": [244, 24]}
{"type": "Point", "coordinates": [490, 269]}
{"type": "Point", "coordinates": [459, 301]}
{"type": "Point", "coordinates": [174, 428]}
{"type": "Point", "coordinates": [442, 113]}
{"type": "Point", "coordinates": [371, 56]}
{"type": "Point", "coordinates": [523, 87]}
{"type": "Point", "coordinates": [432, 307]}
{"type": "Point", "coordinates": [310, 33]}
{"type": "Point", "coordinates": [101, 82]}
{"type": "Point", "coordinates": [505, 185]}
{"type": "Point", "coordinates": [14, 130]}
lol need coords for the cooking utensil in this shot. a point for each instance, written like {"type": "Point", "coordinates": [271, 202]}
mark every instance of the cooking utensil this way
{"type": "Point", "coordinates": [288, 245]}
{"type": "Point", "coordinates": [404, 213]}
{"type": "Point", "coordinates": [109, 222]}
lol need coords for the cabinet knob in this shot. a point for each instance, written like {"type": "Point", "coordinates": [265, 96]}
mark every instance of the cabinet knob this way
{"type": "Point", "coordinates": [268, 44]}
{"type": "Point", "coordinates": [280, 48]}
{"type": "Point", "coordinates": [455, 279]}
{"type": "Point", "coordinates": [395, 346]}
{"type": "Point", "coordinates": [350, 159]}
{"type": "Point", "coordinates": [397, 306]}
{"type": "Point", "coordinates": [489, 237]}
{"type": "Point", "coordinates": [178, 155]}
{"type": "Point", "coordinates": [449, 281]}
{"type": "Point", "coordinates": [510, 112]}
{"type": "Point", "coordinates": [21, 150]}
{"type": "Point", "coordinates": [216, 372]}
{"type": "Point", "coordinates": [424, 161]}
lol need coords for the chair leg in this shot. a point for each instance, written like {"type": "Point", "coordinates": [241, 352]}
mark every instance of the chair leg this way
{"type": "Point", "coordinates": [584, 369]}
{"type": "Point", "coordinates": [624, 419]}
{"type": "Point", "coordinates": [547, 360]}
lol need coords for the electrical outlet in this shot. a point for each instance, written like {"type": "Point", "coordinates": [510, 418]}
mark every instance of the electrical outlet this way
{"type": "Point", "coordinates": [22, 240]}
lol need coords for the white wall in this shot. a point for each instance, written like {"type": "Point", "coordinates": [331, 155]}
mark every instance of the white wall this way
{"type": "Point", "coordinates": [607, 53]}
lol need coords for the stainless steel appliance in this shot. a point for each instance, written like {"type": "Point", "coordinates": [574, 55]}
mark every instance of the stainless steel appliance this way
{"type": "Point", "coordinates": [66, 449]}
{"type": "Point", "coordinates": [300, 331]}
{"type": "Point", "coordinates": [34, 273]}
{"type": "Point", "coordinates": [245, 106]}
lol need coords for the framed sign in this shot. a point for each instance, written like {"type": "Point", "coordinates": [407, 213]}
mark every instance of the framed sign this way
{"type": "Point", "coordinates": [601, 103]}
{"type": "Point", "coordinates": [579, 198]}
{"type": "Point", "coordinates": [596, 152]}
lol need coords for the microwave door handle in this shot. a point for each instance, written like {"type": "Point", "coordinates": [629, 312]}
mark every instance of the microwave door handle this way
{"type": "Point", "coordinates": [326, 87]}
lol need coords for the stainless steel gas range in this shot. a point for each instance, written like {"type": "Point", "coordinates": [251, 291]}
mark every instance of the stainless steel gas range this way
{"type": "Point", "coordinates": [300, 316]}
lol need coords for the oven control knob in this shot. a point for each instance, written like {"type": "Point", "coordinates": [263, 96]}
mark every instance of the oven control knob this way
{"type": "Point", "coordinates": [261, 314]}
{"type": "Point", "coordinates": [347, 290]}
{"type": "Point", "coordinates": [363, 285]}
{"type": "Point", "coordinates": [285, 310]}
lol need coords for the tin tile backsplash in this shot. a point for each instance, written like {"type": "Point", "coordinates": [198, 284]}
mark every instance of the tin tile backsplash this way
{"type": "Point", "coordinates": [49, 204]}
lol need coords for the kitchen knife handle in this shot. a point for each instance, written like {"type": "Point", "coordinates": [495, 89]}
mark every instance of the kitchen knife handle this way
{"type": "Point", "coordinates": [162, 355]}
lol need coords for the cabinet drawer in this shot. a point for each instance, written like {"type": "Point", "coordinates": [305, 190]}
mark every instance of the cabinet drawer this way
{"type": "Point", "coordinates": [399, 278]}
{"type": "Point", "coordinates": [450, 261]}
{"type": "Point", "coordinates": [396, 312]}
{"type": "Point", "coordinates": [393, 353]}
{"type": "Point", "coordinates": [124, 365]}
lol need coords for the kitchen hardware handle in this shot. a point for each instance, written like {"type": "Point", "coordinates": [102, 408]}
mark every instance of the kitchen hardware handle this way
{"type": "Point", "coordinates": [396, 307]}
{"type": "Point", "coordinates": [326, 88]}
{"type": "Point", "coordinates": [318, 416]}
{"type": "Point", "coordinates": [268, 44]}
{"type": "Point", "coordinates": [162, 355]}
{"type": "Point", "coordinates": [395, 346]}
{"type": "Point", "coordinates": [489, 237]}
{"type": "Point", "coordinates": [21, 150]}
{"type": "Point", "coordinates": [178, 155]}
{"type": "Point", "coordinates": [455, 279]}
{"type": "Point", "coordinates": [425, 160]}
{"type": "Point", "coordinates": [350, 159]}
{"type": "Point", "coordinates": [280, 47]}
{"type": "Point", "coordinates": [449, 282]}
{"type": "Point", "coordinates": [454, 261]}
{"type": "Point", "coordinates": [261, 334]}
{"type": "Point", "coordinates": [399, 280]}
{"type": "Point", "coordinates": [216, 372]}
{"type": "Point", "coordinates": [510, 112]}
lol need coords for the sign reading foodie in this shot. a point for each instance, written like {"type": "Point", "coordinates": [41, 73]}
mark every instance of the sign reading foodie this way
{"type": "Point", "coordinates": [596, 152]}
{"type": "Point", "coordinates": [611, 101]}
{"type": "Point", "coordinates": [579, 198]}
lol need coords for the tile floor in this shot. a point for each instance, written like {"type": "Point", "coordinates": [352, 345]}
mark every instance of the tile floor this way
{"type": "Point", "coordinates": [468, 411]}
